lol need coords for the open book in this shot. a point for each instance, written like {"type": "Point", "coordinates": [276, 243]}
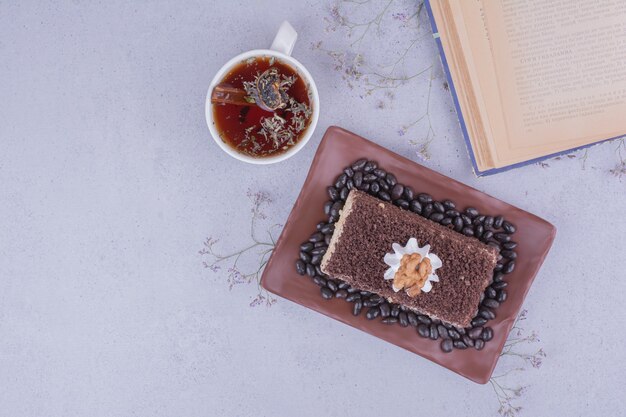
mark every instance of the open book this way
{"type": "Point", "coordinates": [533, 78]}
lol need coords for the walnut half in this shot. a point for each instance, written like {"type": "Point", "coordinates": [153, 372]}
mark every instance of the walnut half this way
{"type": "Point", "coordinates": [412, 274]}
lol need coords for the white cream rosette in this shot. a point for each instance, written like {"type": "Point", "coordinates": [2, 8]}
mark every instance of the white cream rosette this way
{"type": "Point", "coordinates": [394, 261]}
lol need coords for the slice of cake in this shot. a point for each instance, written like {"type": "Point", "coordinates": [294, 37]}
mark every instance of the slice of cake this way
{"type": "Point", "coordinates": [409, 260]}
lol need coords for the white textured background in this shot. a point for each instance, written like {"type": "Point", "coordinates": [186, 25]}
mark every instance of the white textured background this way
{"type": "Point", "coordinates": [109, 184]}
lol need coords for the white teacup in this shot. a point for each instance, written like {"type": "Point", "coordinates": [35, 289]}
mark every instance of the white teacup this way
{"type": "Point", "coordinates": [281, 48]}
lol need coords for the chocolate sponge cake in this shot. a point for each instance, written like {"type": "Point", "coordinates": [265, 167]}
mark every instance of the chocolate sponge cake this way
{"type": "Point", "coordinates": [365, 233]}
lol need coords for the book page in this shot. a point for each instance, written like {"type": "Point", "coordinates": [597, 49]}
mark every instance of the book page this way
{"type": "Point", "coordinates": [561, 73]}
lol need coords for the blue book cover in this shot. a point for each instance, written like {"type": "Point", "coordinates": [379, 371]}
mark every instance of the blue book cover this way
{"type": "Point", "coordinates": [468, 143]}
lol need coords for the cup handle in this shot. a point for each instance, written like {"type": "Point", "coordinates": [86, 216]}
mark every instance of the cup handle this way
{"type": "Point", "coordinates": [285, 39]}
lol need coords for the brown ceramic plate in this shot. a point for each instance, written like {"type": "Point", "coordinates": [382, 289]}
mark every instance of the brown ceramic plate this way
{"type": "Point", "coordinates": [340, 148]}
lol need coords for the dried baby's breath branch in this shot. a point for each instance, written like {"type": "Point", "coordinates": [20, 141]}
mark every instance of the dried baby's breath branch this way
{"type": "Point", "coordinates": [360, 70]}
{"type": "Point", "coordinates": [257, 247]}
{"type": "Point", "coordinates": [620, 169]}
{"type": "Point", "coordinates": [508, 396]}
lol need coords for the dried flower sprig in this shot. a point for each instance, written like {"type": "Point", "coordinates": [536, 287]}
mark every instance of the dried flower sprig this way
{"type": "Point", "coordinates": [360, 70]}
{"type": "Point", "coordinates": [620, 169]}
{"type": "Point", "coordinates": [257, 247]}
{"type": "Point", "coordinates": [506, 395]}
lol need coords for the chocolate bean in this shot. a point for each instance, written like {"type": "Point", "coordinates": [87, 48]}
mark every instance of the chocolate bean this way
{"type": "Point", "coordinates": [423, 319]}
{"type": "Point", "coordinates": [446, 345]}
{"type": "Point", "coordinates": [436, 217]}
{"type": "Point", "coordinates": [488, 234]}
{"type": "Point", "coordinates": [475, 332]}
{"type": "Point", "coordinates": [501, 296]}
{"type": "Point", "coordinates": [402, 204]}
{"type": "Point", "coordinates": [320, 250]}
{"type": "Point", "coordinates": [327, 293]}
{"type": "Point", "coordinates": [365, 187]}
{"type": "Point", "coordinates": [459, 345]}
{"type": "Point", "coordinates": [433, 333]}
{"type": "Point", "coordinates": [458, 224]}
{"type": "Point", "coordinates": [412, 318]}
{"type": "Point", "coordinates": [353, 297]}
{"type": "Point", "coordinates": [343, 194]}
{"type": "Point", "coordinates": [328, 229]}
{"type": "Point", "coordinates": [449, 205]}
{"type": "Point", "coordinates": [497, 222]}
{"type": "Point", "coordinates": [385, 310]}
{"type": "Point", "coordinates": [341, 294]}
{"type": "Point", "coordinates": [468, 231]}
{"type": "Point", "coordinates": [327, 206]}
{"type": "Point", "coordinates": [490, 292]}
{"type": "Point", "coordinates": [468, 341]}
{"type": "Point", "coordinates": [310, 270]}
{"type": "Point", "coordinates": [375, 188]}
{"type": "Point", "coordinates": [487, 334]}
{"type": "Point", "coordinates": [380, 173]}
{"type": "Point", "coordinates": [424, 198]}
{"type": "Point", "coordinates": [478, 321]}
{"type": "Point", "coordinates": [423, 330]}
{"type": "Point", "coordinates": [370, 303]}
{"type": "Point", "coordinates": [403, 318]}
{"type": "Point", "coordinates": [341, 180]}
{"type": "Point", "coordinates": [369, 178]}
{"type": "Point", "coordinates": [319, 281]}
{"type": "Point", "coordinates": [332, 285]}
{"type": "Point", "coordinates": [358, 165]}
{"type": "Point", "coordinates": [408, 193]}
{"type": "Point", "coordinates": [316, 237]}
{"type": "Point", "coordinates": [356, 307]}
{"type": "Point", "coordinates": [316, 259]}
{"type": "Point", "coordinates": [300, 267]}
{"type": "Point", "coordinates": [375, 298]}
{"type": "Point", "coordinates": [327, 239]}
{"type": "Point", "coordinates": [509, 245]}
{"type": "Point", "coordinates": [446, 221]}
{"type": "Point", "coordinates": [358, 179]}
{"type": "Point", "coordinates": [391, 180]}
{"type": "Point", "coordinates": [499, 285]}
{"type": "Point", "coordinates": [427, 210]}
{"type": "Point", "coordinates": [333, 193]}
{"type": "Point", "coordinates": [452, 213]}
{"type": "Point", "coordinates": [416, 207]}
{"type": "Point", "coordinates": [383, 195]}
{"type": "Point", "coordinates": [395, 310]}
{"type": "Point", "coordinates": [488, 221]}
{"type": "Point", "coordinates": [471, 212]}
{"type": "Point", "coordinates": [491, 303]}
{"type": "Point", "coordinates": [336, 207]}
{"type": "Point", "coordinates": [509, 267]}
{"type": "Point", "coordinates": [370, 166]}
{"type": "Point", "coordinates": [508, 227]}
{"type": "Point", "coordinates": [498, 276]}
{"type": "Point", "coordinates": [397, 191]}
{"type": "Point", "coordinates": [306, 258]}
{"type": "Point", "coordinates": [383, 185]}
{"type": "Point", "coordinates": [479, 344]}
{"type": "Point", "coordinates": [372, 313]}
{"type": "Point", "coordinates": [454, 334]}
{"type": "Point", "coordinates": [486, 313]}
{"type": "Point", "coordinates": [467, 221]}
{"type": "Point", "coordinates": [443, 332]}
{"type": "Point", "coordinates": [502, 237]}
{"type": "Point", "coordinates": [478, 230]}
